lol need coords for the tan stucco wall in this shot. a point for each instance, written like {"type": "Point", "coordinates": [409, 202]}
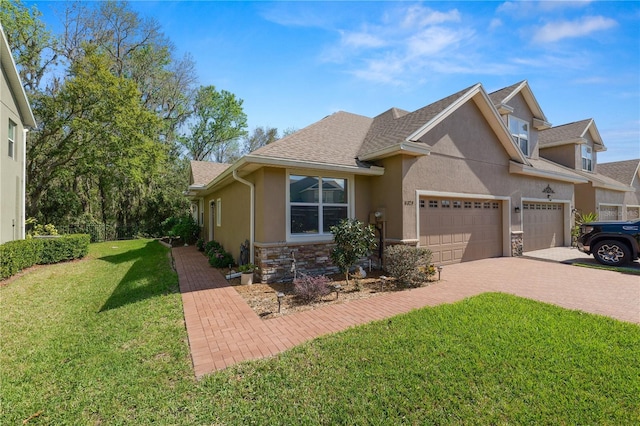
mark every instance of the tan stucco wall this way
{"type": "Point", "coordinates": [271, 204]}
{"type": "Point", "coordinates": [564, 154]}
{"type": "Point", "coordinates": [386, 194]}
{"type": "Point", "coordinates": [586, 198]}
{"type": "Point", "coordinates": [11, 180]}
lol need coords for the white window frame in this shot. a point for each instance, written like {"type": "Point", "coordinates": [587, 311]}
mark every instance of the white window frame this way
{"type": "Point", "coordinates": [517, 136]}
{"type": "Point", "coordinates": [322, 235]}
{"type": "Point", "coordinates": [11, 139]}
{"type": "Point", "coordinates": [219, 212]}
{"type": "Point", "coordinates": [587, 158]}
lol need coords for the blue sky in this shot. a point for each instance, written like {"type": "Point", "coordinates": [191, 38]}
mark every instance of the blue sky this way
{"type": "Point", "coordinates": [293, 63]}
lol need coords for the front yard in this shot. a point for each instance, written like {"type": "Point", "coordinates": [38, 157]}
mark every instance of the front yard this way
{"type": "Point", "coordinates": [102, 341]}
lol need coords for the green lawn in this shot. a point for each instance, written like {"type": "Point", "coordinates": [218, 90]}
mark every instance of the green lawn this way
{"type": "Point", "coordinates": [102, 341]}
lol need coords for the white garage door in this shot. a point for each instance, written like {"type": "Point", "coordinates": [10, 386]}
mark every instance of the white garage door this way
{"type": "Point", "coordinates": [543, 225]}
{"type": "Point", "coordinates": [609, 213]}
{"type": "Point", "coordinates": [458, 230]}
{"type": "Point", "coordinates": [633, 213]}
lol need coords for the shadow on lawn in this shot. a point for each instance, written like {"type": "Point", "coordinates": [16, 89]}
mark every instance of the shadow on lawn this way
{"type": "Point", "coordinates": [142, 280]}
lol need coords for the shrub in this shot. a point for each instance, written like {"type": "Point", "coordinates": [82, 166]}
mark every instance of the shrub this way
{"type": "Point", "coordinates": [200, 244]}
{"type": "Point", "coordinates": [186, 228]}
{"type": "Point", "coordinates": [354, 240]}
{"type": "Point", "coordinates": [220, 258]}
{"type": "Point", "coordinates": [212, 246]}
{"type": "Point", "coordinates": [409, 265]}
{"type": "Point", "coordinates": [309, 289]}
{"type": "Point", "coordinates": [246, 268]}
{"type": "Point", "coordinates": [18, 255]}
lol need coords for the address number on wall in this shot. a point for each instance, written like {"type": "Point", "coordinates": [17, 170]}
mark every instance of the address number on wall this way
{"type": "Point", "coordinates": [408, 203]}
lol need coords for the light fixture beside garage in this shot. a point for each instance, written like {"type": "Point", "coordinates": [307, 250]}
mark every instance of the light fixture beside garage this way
{"type": "Point", "coordinates": [548, 191]}
{"type": "Point", "coordinates": [517, 209]}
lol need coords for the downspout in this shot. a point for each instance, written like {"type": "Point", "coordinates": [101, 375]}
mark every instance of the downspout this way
{"type": "Point", "coordinates": [23, 196]}
{"type": "Point", "coordinates": [251, 212]}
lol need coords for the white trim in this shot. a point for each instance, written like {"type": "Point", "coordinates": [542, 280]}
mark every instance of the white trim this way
{"type": "Point", "coordinates": [303, 164]}
{"type": "Point", "coordinates": [523, 169]}
{"type": "Point", "coordinates": [567, 215]}
{"type": "Point", "coordinates": [212, 210]}
{"type": "Point", "coordinates": [219, 212]}
{"type": "Point", "coordinates": [631, 206]}
{"type": "Point", "coordinates": [252, 213]}
{"type": "Point", "coordinates": [506, 212]}
{"type": "Point", "coordinates": [324, 237]}
{"type": "Point", "coordinates": [23, 195]}
{"type": "Point", "coordinates": [416, 149]}
{"type": "Point", "coordinates": [518, 139]}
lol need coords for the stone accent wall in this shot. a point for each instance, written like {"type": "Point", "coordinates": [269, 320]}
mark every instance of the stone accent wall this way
{"type": "Point", "coordinates": [275, 261]}
{"type": "Point", "coordinates": [516, 243]}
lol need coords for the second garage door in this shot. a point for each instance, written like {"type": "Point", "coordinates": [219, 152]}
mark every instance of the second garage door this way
{"type": "Point", "coordinates": [457, 230]}
{"type": "Point", "coordinates": [543, 225]}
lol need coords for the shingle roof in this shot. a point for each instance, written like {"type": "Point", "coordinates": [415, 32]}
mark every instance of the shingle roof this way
{"type": "Point", "coordinates": [203, 172]}
{"type": "Point", "coordinates": [564, 133]}
{"type": "Point", "coordinates": [499, 96]}
{"type": "Point", "coordinates": [621, 171]}
{"type": "Point", "coordinates": [333, 140]}
{"type": "Point", "coordinates": [394, 126]}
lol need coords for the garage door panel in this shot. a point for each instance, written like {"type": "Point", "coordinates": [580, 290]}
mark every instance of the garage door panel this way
{"type": "Point", "coordinates": [466, 230]}
{"type": "Point", "coordinates": [543, 225]}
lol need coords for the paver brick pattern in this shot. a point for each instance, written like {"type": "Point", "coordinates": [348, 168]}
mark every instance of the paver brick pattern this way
{"type": "Point", "coordinates": [223, 330]}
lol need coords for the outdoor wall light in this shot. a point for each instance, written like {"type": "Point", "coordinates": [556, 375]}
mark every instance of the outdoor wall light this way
{"type": "Point", "coordinates": [280, 295]}
{"type": "Point", "coordinates": [378, 215]}
{"type": "Point", "coordinates": [517, 209]}
{"type": "Point", "coordinates": [439, 271]}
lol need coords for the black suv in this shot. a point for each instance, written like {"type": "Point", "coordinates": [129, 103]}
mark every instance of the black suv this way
{"type": "Point", "coordinates": [611, 243]}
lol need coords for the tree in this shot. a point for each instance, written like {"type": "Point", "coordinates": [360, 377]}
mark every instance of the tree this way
{"type": "Point", "coordinates": [260, 137]}
{"type": "Point", "coordinates": [216, 124]}
{"type": "Point", "coordinates": [354, 240]}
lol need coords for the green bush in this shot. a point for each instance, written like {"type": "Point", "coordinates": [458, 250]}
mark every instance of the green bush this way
{"type": "Point", "coordinates": [200, 244]}
{"type": "Point", "coordinates": [409, 265]}
{"type": "Point", "coordinates": [354, 241]}
{"type": "Point", "coordinates": [18, 255]}
{"type": "Point", "coordinates": [212, 246]}
{"type": "Point", "coordinates": [220, 258]}
{"type": "Point", "coordinates": [186, 228]}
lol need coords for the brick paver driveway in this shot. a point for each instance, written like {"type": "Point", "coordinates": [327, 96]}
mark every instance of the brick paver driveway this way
{"type": "Point", "coordinates": [223, 330]}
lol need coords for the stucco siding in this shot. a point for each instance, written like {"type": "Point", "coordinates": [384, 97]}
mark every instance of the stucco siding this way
{"type": "Point", "coordinates": [386, 194]}
{"type": "Point", "coordinates": [585, 198]}
{"type": "Point", "coordinates": [11, 180]}
{"type": "Point", "coordinates": [564, 154]}
{"type": "Point", "coordinates": [271, 204]}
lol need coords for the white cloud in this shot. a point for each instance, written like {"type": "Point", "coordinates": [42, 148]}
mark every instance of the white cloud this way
{"type": "Point", "coordinates": [555, 31]}
{"type": "Point", "coordinates": [419, 17]}
{"type": "Point", "coordinates": [434, 40]}
{"type": "Point", "coordinates": [361, 40]}
{"type": "Point", "coordinates": [495, 23]}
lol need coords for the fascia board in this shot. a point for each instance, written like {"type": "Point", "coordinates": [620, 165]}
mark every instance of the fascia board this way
{"type": "Point", "coordinates": [415, 149]}
{"type": "Point", "coordinates": [285, 162]}
{"type": "Point", "coordinates": [576, 141]}
{"type": "Point", "coordinates": [526, 170]}
{"type": "Point", "coordinates": [595, 134]}
{"type": "Point", "coordinates": [15, 84]}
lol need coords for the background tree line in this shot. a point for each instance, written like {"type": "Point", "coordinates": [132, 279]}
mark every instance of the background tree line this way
{"type": "Point", "coordinates": [119, 116]}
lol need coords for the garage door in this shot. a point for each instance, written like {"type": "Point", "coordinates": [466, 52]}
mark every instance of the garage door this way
{"type": "Point", "coordinates": [458, 230]}
{"type": "Point", "coordinates": [633, 213]}
{"type": "Point", "coordinates": [543, 225]}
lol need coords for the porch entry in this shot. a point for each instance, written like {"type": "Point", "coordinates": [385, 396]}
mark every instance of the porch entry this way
{"type": "Point", "coordinates": [459, 230]}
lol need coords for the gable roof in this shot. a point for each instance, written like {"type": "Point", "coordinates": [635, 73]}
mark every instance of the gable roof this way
{"type": "Point", "coordinates": [203, 172]}
{"type": "Point", "coordinates": [621, 171]}
{"type": "Point", "coordinates": [15, 85]}
{"type": "Point", "coordinates": [571, 133]}
{"type": "Point", "coordinates": [501, 98]}
{"type": "Point", "coordinates": [397, 132]}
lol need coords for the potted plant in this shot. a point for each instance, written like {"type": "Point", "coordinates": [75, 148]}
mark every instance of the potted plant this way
{"type": "Point", "coordinates": [246, 271]}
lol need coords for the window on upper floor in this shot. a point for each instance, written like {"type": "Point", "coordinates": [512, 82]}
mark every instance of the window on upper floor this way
{"type": "Point", "coordinates": [520, 131]}
{"type": "Point", "coordinates": [316, 203]}
{"type": "Point", "coordinates": [12, 139]}
{"type": "Point", "coordinates": [587, 158]}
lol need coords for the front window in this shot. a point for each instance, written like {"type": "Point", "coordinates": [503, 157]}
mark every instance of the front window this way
{"type": "Point", "coordinates": [12, 140]}
{"type": "Point", "coordinates": [520, 131]}
{"type": "Point", "coordinates": [316, 203]}
{"type": "Point", "coordinates": [587, 158]}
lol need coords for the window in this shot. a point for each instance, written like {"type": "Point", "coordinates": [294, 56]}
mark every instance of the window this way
{"type": "Point", "coordinates": [445, 204]}
{"type": "Point", "coordinates": [520, 131]}
{"type": "Point", "coordinates": [467, 204]}
{"type": "Point", "coordinates": [316, 203]}
{"type": "Point", "coordinates": [433, 204]}
{"type": "Point", "coordinates": [457, 204]}
{"type": "Point", "coordinates": [587, 158]}
{"type": "Point", "coordinates": [219, 212]}
{"type": "Point", "coordinates": [421, 204]}
{"type": "Point", "coordinates": [12, 139]}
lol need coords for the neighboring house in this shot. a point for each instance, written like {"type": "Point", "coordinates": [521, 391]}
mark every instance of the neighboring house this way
{"type": "Point", "coordinates": [575, 146]}
{"type": "Point", "coordinates": [628, 173]}
{"type": "Point", "coordinates": [16, 118]}
{"type": "Point", "coordinates": [462, 176]}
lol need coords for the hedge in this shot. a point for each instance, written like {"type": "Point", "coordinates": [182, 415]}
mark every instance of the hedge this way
{"type": "Point", "coordinates": [20, 254]}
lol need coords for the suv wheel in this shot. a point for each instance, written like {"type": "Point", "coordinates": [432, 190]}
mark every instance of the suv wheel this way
{"type": "Point", "coordinates": [611, 253]}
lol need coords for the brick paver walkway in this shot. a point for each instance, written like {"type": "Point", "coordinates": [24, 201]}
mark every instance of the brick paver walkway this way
{"type": "Point", "coordinates": [223, 330]}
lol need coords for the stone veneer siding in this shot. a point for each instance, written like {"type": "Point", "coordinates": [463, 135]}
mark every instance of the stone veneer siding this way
{"type": "Point", "coordinates": [275, 261]}
{"type": "Point", "coordinates": [517, 243]}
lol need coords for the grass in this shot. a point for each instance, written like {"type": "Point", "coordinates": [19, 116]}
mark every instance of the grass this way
{"type": "Point", "coordinates": [622, 269]}
{"type": "Point", "coordinates": [103, 341]}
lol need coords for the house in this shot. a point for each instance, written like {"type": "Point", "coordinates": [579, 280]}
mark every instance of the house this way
{"type": "Point", "coordinates": [575, 146]}
{"type": "Point", "coordinates": [17, 118]}
{"type": "Point", "coordinates": [463, 176]}
{"type": "Point", "coordinates": [628, 173]}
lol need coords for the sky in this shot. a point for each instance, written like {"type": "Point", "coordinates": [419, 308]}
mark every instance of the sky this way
{"type": "Point", "coordinates": [294, 63]}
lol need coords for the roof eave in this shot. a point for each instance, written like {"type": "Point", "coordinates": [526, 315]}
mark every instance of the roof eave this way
{"type": "Point", "coordinates": [26, 114]}
{"type": "Point", "coordinates": [523, 169]}
{"type": "Point", "coordinates": [414, 149]}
